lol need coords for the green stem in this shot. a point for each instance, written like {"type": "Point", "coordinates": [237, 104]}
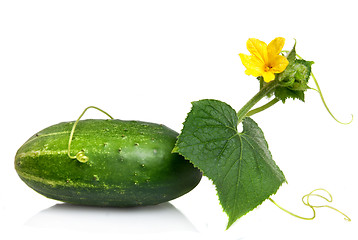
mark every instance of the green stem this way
{"type": "Point", "coordinates": [263, 107]}
{"type": "Point", "coordinates": [242, 113]}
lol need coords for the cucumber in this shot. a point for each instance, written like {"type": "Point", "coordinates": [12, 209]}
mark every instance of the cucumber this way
{"type": "Point", "coordinates": [129, 164]}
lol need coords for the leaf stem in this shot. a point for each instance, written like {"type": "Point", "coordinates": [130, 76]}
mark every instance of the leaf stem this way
{"type": "Point", "coordinates": [268, 88]}
{"type": "Point", "coordinates": [263, 107]}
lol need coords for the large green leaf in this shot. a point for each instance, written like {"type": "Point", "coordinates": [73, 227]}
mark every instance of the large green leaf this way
{"type": "Point", "coordinates": [239, 163]}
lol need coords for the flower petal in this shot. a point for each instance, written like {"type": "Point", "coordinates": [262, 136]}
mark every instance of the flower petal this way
{"type": "Point", "coordinates": [279, 64]}
{"type": "Point", "coordinates": [253, 72]}
{"type": "Point", "coordinates": [254, 66]}
{"type": "Point", "coordinates": [275, 46]}
{"type": "Point", "coordinates": [250, 61]}
{"type": "Point", "coordinates": [245, 59]}
{"type": "Point", "coordinates": [268, 76]}
{"type": "Point", "coordinates": [257, 48]}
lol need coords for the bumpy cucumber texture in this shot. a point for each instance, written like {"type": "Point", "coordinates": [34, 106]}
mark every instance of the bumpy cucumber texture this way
{"type": "Point", "coordinates": [129, 164]}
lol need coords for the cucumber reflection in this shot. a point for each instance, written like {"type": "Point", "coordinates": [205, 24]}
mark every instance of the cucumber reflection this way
{"type": "Point", "coordinates": [139, 220]}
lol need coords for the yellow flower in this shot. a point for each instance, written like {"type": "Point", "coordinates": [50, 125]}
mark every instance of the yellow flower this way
{"type": "Point", "coordinates": [265, 60]}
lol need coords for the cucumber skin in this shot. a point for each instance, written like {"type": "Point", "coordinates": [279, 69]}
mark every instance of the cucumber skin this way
{"type": "Point", "coordinates": [130, 164]}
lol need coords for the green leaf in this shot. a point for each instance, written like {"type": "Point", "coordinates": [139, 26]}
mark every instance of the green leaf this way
{"type": "Point", "coordinates": [239, 164]}
{"type": "Point", "coordinates": [292, 54]}
{"type": "Point", "coordinates": [283, 93]}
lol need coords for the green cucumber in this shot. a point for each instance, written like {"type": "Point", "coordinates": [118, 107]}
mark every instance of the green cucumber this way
{"type": "Point", "coordinates": [130, 163]}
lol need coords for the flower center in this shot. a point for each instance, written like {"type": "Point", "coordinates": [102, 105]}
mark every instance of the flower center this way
{"type": "Point", "coordinates": [267, 68]}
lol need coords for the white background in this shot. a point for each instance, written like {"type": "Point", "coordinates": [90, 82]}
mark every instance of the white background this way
{"type": "Point", "coordinates": [148, 60]}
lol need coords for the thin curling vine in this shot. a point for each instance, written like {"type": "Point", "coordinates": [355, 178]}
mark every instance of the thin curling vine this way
{"type": "Point", "coordinates": [80, 156]}
{"type": "Point", "coordinates": [240, 164]}
{"type": "Point", "coordinates": [308, 204]}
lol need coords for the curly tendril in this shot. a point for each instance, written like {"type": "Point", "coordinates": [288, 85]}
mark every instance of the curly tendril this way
{"type": "Point", "coordinates": [322, 98]}
{"type": "Point", "coordinates": [324, 102]}
{"type": "Point", "coordinates": [80, 156]}
{"type": "Point", "coordinates": [307, 203]}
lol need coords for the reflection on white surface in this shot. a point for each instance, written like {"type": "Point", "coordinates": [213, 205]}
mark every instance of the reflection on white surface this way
{"type": "Point", "coordinates": [140, 220]}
